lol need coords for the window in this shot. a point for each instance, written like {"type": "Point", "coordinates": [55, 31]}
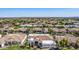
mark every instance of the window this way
{"type": "Point", "coordinates": [9, 43]}
{"type": "Point", "coordinates": [14, 42]}
{"type": "Point", "coordinates": [36, 43]}
{"type": "Point", "coordinates": [6, 44]}
{"type": "Point", "coordinates": [0, 45]}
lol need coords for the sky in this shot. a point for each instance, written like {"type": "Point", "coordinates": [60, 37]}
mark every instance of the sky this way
{"type": "Point", "coordinates": [39, 12]}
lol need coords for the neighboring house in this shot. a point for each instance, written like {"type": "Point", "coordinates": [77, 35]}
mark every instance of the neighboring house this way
{"type": "Point", "coordinates": [41, 40]}
{"type": "Point", "coordinates": [69, 37]}
{"type": "Point", "coordinates": [25, 25]}
{"type": "Point", "coordinates": [37, 30]}
{"type": "Point", "coordinates": [32, 24]}
{"type": "Point", "coordinates": [71, 26]}
{"type": "Point", "coordinates": [12, 39]}
{"type": "Point", "coordinates": [2, 43]}
{"type": "Point", "coordinates": [59, 30]}
{"type": "Point", "coordinates": [45, 30]}
{"type": "Point", "coordinates": [37, 25]}
{"type": "Point", "coordinates": [24, 30]}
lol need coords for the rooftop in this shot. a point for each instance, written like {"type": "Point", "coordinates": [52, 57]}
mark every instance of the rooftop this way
{"type": "Point", "coordinates": [41, 37]}
{"type": "Point", "coordinates": [14, 37]}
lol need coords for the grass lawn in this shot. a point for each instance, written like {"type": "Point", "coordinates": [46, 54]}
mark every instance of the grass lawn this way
{"type": "Point", "coordinates": [16, 47]}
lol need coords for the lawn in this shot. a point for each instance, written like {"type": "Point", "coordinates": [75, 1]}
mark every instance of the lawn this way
{"type": "Point", "coordinates": [16, 47]}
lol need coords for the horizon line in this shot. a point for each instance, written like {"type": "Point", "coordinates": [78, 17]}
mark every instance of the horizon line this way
{"type": "Point", "coordinates": [36, 16]}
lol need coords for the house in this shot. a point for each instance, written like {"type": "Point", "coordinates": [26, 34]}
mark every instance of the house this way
{"type": "Point", "coordinates": [23, 30]}
{"type": "Point", "coordinates": [37, 30]}
{"type": "Point", "coordinates": [59, 30]}
{"type": "Point", "coordinates": [12, 39]}
{"type": "Point", "coordinates": [69, 37]}
{"type": "Point", "coordinates": [2, 43]}
{"type": "Point", "coordinates": [45, 30]}
{"type": "Point", "coordinates": [41, 40]}
{"type": "Point", "coordinates": [70, 26]}
{"type": "Point", "coordinates": [26, 25]}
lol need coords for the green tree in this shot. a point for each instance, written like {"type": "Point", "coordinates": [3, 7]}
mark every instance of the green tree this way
{"type": "Point", "coordinates": [63, 43]}
{"type": "Point", "coordinates": [77, 44]}
{"type": "Point", "coordinates": [49, 31]}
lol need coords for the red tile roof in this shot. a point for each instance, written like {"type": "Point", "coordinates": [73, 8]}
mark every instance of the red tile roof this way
{"type": "Point", "coordinates": [41, 37]}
